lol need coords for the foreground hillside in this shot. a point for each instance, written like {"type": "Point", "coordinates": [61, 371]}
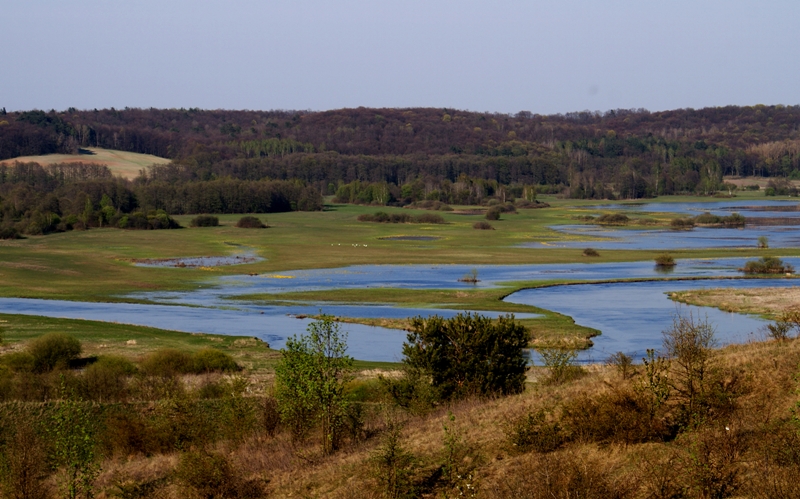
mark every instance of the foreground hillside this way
{"type": "Point", "coordinates": [698, 423]}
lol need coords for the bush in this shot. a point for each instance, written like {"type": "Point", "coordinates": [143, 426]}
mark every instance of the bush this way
{"type": "Point", "coordinates": [105, 380]}
{"type": "Point", "coordinates": [763, 242]}
{"type": "Point", "coordinates": [429, 218]}
{"type": "Point", "coordinates": [482, 226]}
{"type": "Point", "coordinates": [53, 350]}
{"type": "Point", "coordinates": [167, 362]}
{"type": "Point", "coordinates": [250, 222]}
{"type": "Point", "coordinates": [590, 252]}
{"type": "Point", "coordinates": [468, 354]}
{"type": "Point", "coordinates": [682, 223]}
{"type": "Point", "coordinates": [561, 364]}
{"type": "Point", "coordinates": [18, 362]}
{"type": "Point", "coordinates": [209, 360]}
{"type": "Point", "coordinates": [665, 260]}
{"type": "Point", "coordinates": [613, 219]}
{"type": "Point", "coordinates": [533, 432]}
{"type": "Point", "coordinates": [205, 221]}
{"type": "Point", "coordinates": [9, 233]}
{"type": "Point", "coordinates": [206, 475]}
{"type": "Point", "coordinates": [767, 265]}
{"type": "Point", "coordinates": [401, 218]}
{"type": "Point", "coordinates": [152, 220]}
{"type": "Point", "coordinates": [493, 214]}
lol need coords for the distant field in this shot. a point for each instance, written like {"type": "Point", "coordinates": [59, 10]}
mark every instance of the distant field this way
{"type": "Point", "coordinates": [125, 164]}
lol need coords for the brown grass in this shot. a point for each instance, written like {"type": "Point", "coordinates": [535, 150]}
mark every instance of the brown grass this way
{"type": "Point", "coordinates": [763, 301]}
{"type": "Point", "coordinates": [580, 468]}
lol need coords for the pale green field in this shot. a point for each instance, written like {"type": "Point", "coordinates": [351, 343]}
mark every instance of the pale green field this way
{"type": "Point", "coordinates": [121, 163]}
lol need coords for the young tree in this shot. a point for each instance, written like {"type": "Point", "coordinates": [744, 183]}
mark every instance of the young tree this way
{"type": "Point", "coordinates": [688, 344]}
{"type": "Point", "coordinates": [310, 379]}
{"type": "Point", "coordinates": [468, 354]}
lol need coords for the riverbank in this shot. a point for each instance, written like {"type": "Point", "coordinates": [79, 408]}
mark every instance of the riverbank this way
{"type": "Point", "coordinates": [765, 302]}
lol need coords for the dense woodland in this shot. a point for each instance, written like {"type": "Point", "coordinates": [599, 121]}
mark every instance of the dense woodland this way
{"type": "Point", "coordinates": [263, 161]}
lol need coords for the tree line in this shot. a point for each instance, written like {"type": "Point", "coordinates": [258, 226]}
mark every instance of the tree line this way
{"type": "Point", "coordinates": [619, 153]}
{"type": "Point", "coordinates": [39, 200]}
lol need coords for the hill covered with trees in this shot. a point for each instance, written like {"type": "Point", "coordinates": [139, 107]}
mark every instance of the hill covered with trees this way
{"type": "Point", "coordinates": [399, 156]}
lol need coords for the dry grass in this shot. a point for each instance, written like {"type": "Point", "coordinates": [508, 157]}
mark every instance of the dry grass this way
{"type": "Point", "coordinates": [763, 301]}
{"type": "Point", "coordinates": [579, 469]}
{"type": "Point", "coordinates": [122, 163]}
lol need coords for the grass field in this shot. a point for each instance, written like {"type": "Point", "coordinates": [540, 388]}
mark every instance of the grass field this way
{"type": "Point", "coordinates": [121, 163]}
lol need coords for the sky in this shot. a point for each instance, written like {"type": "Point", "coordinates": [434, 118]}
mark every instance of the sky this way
{"type": "Point", "coordinates": [542, 56]}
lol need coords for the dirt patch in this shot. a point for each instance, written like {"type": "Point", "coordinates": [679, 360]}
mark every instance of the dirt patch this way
{"type": "Point", "coordinates": [468, 212]}
{"type": "Point", "coordinates": [410, 238]}
{"type": "Point", "coordinates": [196, 261]}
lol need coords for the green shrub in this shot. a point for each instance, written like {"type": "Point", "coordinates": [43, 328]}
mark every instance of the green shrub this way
{"type": "Point", "coordinates": [613, 219]}
{"type": "Point", "coordinates": [665, 260]}
{"type": "Point", "coordinates": [482, 226]}
{"type": "Point", "coordinates": [493, 214]}
{"type": "Point", "coordinates": [209, 360]}
{"type": "Point", "coordinates": [17, 362]}
{"type": "Point", "coordinates": [53, 350]}
{"type": "Point", "coordinates": [682, 223]}
{"type": "Point", "coordinates": [9, 233]}
{"type": "Point", "coordinates": [468, 354]}
{"type": "Point", "coordinates": [561, 364]}
{"type": "Point", "coordinates": [590, 252]}
{"type": "Point", "coordinates": [204, 221]}
{"type": "Point", "coordinates": [429, 218]}
{"type": "Point", "coordinates": [250, 222]}
{"type": "Point", "coordinates": [533, 432]}
{"type": "Point", "coordinates": [106, 379]}
{"type": "Point", "coordinates": [167, 362]}
{"type": "Point", "coordinates": [210, 475]}
{"type": "Point", "coordinates": [767, 265]}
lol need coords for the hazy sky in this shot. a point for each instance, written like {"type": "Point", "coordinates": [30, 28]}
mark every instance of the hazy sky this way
{"type": "Point", "coordinates": [538, 55]}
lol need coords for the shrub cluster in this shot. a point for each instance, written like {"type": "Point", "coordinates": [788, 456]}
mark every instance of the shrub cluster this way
{"type": "Point", "coordinates": [401, 218]}
{"type": "Point", "coordinates": [250, 222]}
{"type": "Point", "coordinates": [665, 260]}
{"type": "Point", "coordinates": [590, 252]}
{"type": "Point", "coordinates": [152, 220]}
{"type": "Point", "coordinates": [482, 226]}
{"type": "Point", "coordinates": [170, 361]}
{"type": "Point", "coordinates": [430, 205]}
{"type": "Point", "coordinates": [612, 219]}
{"type": "Point", "coordinates": [733, 220]}
{"type": "Point", "coordinates": [205, 221]}
{"type": "Point", "coordinates": [767, 265]}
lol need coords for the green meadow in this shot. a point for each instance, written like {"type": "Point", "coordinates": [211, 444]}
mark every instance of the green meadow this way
{"type": "Point", "coordinates": [98, 264]}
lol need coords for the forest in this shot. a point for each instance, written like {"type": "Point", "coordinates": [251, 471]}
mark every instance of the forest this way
{"type": "Point", "coordinates": [266, 161]}
{"type": "Point", "coordinates": [626, 153]}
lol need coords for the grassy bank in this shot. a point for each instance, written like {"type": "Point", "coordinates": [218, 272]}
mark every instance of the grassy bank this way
{"type": "Point", "coordinates": [766, 302]}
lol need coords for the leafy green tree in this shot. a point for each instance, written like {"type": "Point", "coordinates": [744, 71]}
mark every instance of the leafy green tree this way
{"type": "Point", "coordinates": [310, 379]}
{"type": "Point", "coordinates": [468, 354]}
